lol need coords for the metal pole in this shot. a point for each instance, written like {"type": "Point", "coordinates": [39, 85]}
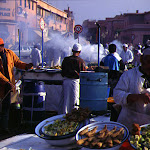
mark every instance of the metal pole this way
{"type": "Point", "coordinates": [42, 49]}
{"type": "Point", "coordinates": [19, 42]}
{"type": "Point", "coordinates": [98, 42]}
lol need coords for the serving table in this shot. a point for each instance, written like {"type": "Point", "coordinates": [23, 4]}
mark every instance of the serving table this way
{"type": "Point", "coordinates": [32, 141]}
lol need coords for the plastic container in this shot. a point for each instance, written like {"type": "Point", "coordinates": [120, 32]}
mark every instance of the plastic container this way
{"type": "Point", "coordinates": [94, 90]}
{"type": "Point", "coordinates": [34, 96]}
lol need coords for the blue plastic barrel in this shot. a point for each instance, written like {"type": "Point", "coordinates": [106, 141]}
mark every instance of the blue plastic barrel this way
{"type": "Point", "coordinates": [35, 88]}
{"type": "Point", "coordinates": [94, 90]}
{"type": "Point", "coordinates": [34, 96]}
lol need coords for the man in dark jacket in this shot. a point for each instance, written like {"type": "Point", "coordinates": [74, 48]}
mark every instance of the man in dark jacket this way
{"type": "Point", "coordinates": [71, 67]}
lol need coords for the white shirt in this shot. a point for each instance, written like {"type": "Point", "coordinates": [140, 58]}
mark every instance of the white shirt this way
{"type": "Point", "coordinates": [36, 57]}
{"type": "Point", "coordinates": [127, 56]}
{"type": "Point", "coordinates": [131, 82]}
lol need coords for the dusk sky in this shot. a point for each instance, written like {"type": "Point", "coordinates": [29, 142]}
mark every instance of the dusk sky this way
{"type": "Point", "coordinates": [100, 9]}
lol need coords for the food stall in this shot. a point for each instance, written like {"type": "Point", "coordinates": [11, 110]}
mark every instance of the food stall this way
{"type": "Point", "coordinates": [53, 85]}
{"type": "Point", "coordinates": [46, 84]}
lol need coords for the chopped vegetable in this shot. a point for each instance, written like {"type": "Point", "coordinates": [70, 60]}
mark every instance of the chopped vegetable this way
{"type": "Point", "coordinates": [60, 127]}
{"type": "Point", "coordinates": [141, 141]}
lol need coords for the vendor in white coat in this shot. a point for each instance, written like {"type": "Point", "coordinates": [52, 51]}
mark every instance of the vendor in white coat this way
{"type": "Point", "coordinates": [126, 55]}
{"type": "Point", "coordinates": [132, 92]}
{"type": "Point", "coordinates": [36, 55]}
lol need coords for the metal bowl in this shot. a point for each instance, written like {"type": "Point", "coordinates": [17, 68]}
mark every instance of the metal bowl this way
{"type": "Point", "coordinates": [110, 126]}
{"type": "Point", "coordinates": [57, 140]}
{"type": "Point", "coordinates": [71, 134]}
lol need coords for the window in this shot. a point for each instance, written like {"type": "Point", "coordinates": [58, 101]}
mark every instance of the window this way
{"type": "Point", "coordinates": [3, 1]}
{"type": "Point", "coordinates": [38, 11]}
{"type": "Point", "coordinates": [42, 13]}
{"type": "Point", "coordinates": [25, 3]}
{"type": "Point", "coordinates": [32, 5]}
{"type": "Point", "coordinates": [29, 3]}
{"type": "Point", "coordinates": [20, 2]}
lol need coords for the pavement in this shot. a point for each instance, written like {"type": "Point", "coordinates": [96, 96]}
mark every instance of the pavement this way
{"type": "Point", "coordinates": [18, 126]}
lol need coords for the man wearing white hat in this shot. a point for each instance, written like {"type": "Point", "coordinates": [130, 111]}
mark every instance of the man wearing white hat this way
{"type": "Point", "coordinates": [126, 55]}
{"type": "Point", "coordinates": [132, 92]}
{"type": "Point", "coordinates": [71, 67]}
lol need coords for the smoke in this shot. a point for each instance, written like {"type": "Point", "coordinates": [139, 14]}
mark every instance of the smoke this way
{"type": "Point", "coordinates": [60, 46]}
{"type": "Point", "coordinates": [90, 53]}
{"type": "Point", "coordinates": [118, 44]}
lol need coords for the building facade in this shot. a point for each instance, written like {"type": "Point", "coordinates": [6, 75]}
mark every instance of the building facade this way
{"type": "Point", "coordinates": [23, 16]}
{"type": "Point", "coordinates": [127, 28]}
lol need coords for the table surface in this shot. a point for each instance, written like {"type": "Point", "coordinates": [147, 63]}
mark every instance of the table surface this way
{"type": "Point", "coordinates": [33, 142]}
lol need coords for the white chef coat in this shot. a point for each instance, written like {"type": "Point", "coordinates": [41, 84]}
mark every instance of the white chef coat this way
{"type": "Point", "coordinates": [127, 56]}
{"type": "Point", "coordinates": [131, 82]}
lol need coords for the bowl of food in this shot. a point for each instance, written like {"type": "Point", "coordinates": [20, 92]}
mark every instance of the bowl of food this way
{"type": "Point", "coordinates": [102, 135]}
{"type": "Point", "coordinates": [55, 130]}
{"type": "Point", "coordinates": [61, 129]}
{"type": "Point", "coordinates": [141, 140]}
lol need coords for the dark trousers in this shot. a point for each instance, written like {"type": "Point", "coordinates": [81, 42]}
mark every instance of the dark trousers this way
{"type": "Point", "coordinates": [4, 117]}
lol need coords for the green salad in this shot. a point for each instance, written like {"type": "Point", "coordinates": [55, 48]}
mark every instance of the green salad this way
{"type": "Point", "coordinates": [142, 141]}
{"type": "Point", "coordinates": [60, 127]}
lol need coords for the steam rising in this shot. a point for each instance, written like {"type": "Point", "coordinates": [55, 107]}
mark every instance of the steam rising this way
{"type": "Point", "coordinates": [118, 46]}
{"type": "Point", "coordinates": [61, 46]}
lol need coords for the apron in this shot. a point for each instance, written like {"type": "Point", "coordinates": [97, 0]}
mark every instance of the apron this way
{"type": "Point", "coordinates": [71, 94]}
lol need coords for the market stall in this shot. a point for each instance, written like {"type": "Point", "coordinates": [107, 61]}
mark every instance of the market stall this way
{"type": "Point", "coordinates": [53, 85]}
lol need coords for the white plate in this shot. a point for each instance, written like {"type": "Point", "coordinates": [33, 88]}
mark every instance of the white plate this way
{"type": "Point", "coordinates": [39, 70]}
{"type": "Point", "coordinates": [53, 70]}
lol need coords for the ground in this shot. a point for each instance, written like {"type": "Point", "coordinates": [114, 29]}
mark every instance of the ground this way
{"type": "Point", "coordinates": [18, 126]}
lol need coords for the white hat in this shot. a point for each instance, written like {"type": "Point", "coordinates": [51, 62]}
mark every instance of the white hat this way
{"type": "Point", "coordinates": [125, 45]}
{"type": "Point", "coordinates": [77, 47]}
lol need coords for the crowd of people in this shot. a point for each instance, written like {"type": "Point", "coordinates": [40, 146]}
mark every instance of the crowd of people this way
{"type": "Point", "coordinates": [131, 91]}
{"type": "Point", "coordinates": [128, 58]}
